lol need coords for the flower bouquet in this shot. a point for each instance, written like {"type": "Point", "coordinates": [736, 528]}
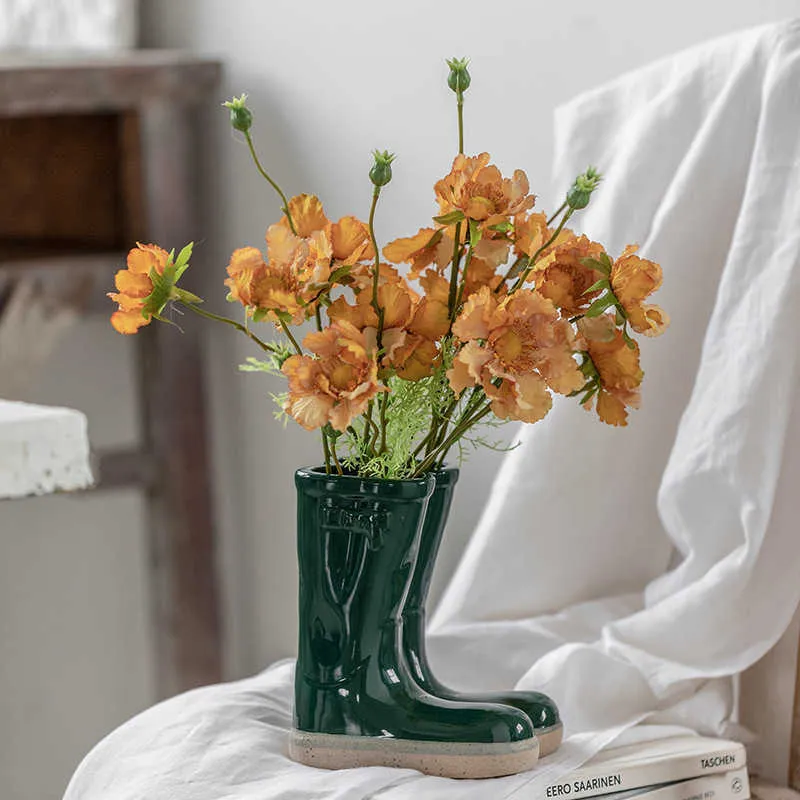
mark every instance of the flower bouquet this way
{"type": "Point", "coordinates": [475, 319]}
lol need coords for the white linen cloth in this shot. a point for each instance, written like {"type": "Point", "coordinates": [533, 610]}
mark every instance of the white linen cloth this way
{"type": "Point", "coordinates": [570, 584]}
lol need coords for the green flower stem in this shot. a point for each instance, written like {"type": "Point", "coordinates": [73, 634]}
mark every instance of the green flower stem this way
{"type": "Point", "coordinates": [460, 105]}
{"type": "Point", "coordinates": [339, 470]}
{"type": "Point", "coordinates": [326, 450]}
{"type": "Point", "coordinates": [523, 276]}
{"type": "Point", "coordinates": [560, 209]}
{"type": "Point", "coordinates": [384, 406]}
{"type": "Point", "coordinates": [475, 399]}
{"type": "Point", "coordinates": [376, 272]}
{"type": "Point", "coordinates": [453, 293]}
{"type": "Point", "coordinates": [379, 311]}
{"type": "Point", "coordinates": [271, 182]}
{"type": "Point", "coordinates": [298, 349]}
{"type": "Point", "coordinates": [238, 325]}
{"type": "Point", "coordinates": [467, 261]}
{"type": "Point", "coordinates": [505, 277]}
{"type": "Point", "coordinates": [454, 436]}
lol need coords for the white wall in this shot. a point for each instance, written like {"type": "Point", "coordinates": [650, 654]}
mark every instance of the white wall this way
{"type": "Point", "coordinates": [329, 81]}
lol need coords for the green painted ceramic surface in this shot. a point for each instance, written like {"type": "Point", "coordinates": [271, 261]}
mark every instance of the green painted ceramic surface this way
{"type": "Point", "coordinates": [539, 707]}
{"type": "Point", "coordinates": [357, 543]}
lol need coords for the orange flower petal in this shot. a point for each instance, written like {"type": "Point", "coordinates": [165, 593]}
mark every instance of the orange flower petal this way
{"type": "Point", "coordinates": [431, 319]}
{"type": "Point", "coordinates": [350, 240]}
{"type": "Point", "coordinates": [473, 321]}
{"type": "Point", "coordinates": [611, 410]}
{"type": "Point", "coordinates": [307, 214]}
{"type": "Point", "coordinates": [145, 257]}
{"type": "Point", "coordinates": [134, 284]}
{"type": "Point", "coordinates": [128, 321]}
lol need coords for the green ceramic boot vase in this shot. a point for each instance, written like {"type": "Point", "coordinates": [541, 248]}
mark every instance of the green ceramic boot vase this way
{"type": "Point", "coordinates": [539, 707]}
{"type": "Point", "coordinates": [356, 704]}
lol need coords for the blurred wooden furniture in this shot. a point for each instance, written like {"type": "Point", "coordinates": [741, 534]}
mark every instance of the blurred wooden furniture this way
{"type": "Point", "coordinates": [95, 155]}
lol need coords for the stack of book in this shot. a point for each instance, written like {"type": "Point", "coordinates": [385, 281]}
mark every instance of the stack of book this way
{"type": "Point", "coordinates": [677, 768]}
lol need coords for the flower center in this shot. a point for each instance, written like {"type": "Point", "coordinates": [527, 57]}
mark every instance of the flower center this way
{"type": "Point", "coordinates": [342, 376]}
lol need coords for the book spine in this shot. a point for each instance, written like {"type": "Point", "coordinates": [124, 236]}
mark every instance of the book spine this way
{"type": "Point", "coordinates": [591, 783]}
{"type": "Point", "coordinates": [733, 785]}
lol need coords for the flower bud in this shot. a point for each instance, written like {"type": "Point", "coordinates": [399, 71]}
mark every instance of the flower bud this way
{"type": "Point", "coordinates": [381, 172]}
{"type": "Point", "coordinates": [241, 115]}
{"type": "Point", "coordinates": [458, 79]}
{"type": "Point", "coordinates": [580, 192]}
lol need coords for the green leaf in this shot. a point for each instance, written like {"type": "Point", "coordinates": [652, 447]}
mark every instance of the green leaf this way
{"type": "Point", "coordinates": [603, 283]}
{"type": "Point", "coordinates": [339, 273]}
{"type": "Point", "coordinates": [502, 227]}
{"type": "Point", "coordinates": [474, 232]}
{"type": "Point", "coordinates": [184, 255]}
{"type": "Point", "coordinates": [583, 388]}
{"type": "Point", "coordinates": [594, 389]}
{"type": "Point", "coordinates": [259, 314]}
{"type": "Point", "coordinates": [435, 239]}
{"type": "Point", "coordinates": [598, 265]}
{"type": "Point", "coordinates": [600, 305]}
{"type": "Point", "coordinates": [159, 297]}
{"type": "Point", "coordinates": [187, 297]}
{"type": "Point", "coordinates": [619, 316]}
{"type": "Point", "coordinates": [450, 219]}
{"type": "Point", "coordinates": [588, 369]}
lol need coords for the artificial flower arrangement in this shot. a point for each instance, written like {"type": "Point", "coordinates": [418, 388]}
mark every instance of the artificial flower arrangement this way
{"type": "Point", "coordinates": [477, 318]}
{"type": "Point", "coordinates": [480, 316]}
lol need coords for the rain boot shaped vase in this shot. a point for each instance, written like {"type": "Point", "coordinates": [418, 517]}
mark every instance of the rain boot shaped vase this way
{"type": "Point", "coordinates": [356, 702]}
{"type": "Point", "coordinates": [539, 707]}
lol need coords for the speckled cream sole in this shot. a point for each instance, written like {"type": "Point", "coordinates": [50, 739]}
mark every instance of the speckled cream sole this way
{"type": "Point", "coordinates": [549, 739]}
{"type": "Point", "coordinates": [444, 759]}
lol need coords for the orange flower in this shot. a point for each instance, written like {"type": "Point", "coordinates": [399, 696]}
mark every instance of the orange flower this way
{"type": "Point", "coordinates": [431, 318]}
{"type": "Point", "coordinates": [617, 365]}
{"type": "Point", "coordinates": [338, 384]}
{"type": "Point", "coordinates": [633, 279]}
{"type": "Point", "coordinates": [480, 192]}
{"type": "Point", "coordinates": [245, 269]}
{"type": "Point", "coordinates": [521, 340]}
{"type": "Point", "coordinates": [290, 281]}
{"type": "Point", "coordinates": [134, 287]}
{"type": "Point", "coordinates": [531, 233]}
{"type": "Point", "coordinates": [408, 327]}
{"type": "Point", "coordinates": [562, 277]}
{"type": "Point", "coordinates": [481, 271]}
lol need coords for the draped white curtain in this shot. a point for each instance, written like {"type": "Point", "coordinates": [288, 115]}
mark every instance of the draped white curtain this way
{"type": "Point", "coordinates": [632, 572]}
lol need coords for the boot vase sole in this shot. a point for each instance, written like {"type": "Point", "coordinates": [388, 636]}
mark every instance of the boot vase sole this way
{"type": "Point", "coordinates": [443, 759]}
{"type": "Point", "coordinates": [549, 739]}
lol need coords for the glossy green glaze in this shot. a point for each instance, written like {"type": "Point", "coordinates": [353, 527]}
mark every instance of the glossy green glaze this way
{"type": "Point", "coordinates": [357, 544]}
{"type": "Point", "coordinates": [539, 707]}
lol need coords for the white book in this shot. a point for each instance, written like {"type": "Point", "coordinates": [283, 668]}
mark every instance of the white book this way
{"type": "Point", "coordinates": [733, 785]}
{"type": "Point", "coordinates": [660, 761]}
